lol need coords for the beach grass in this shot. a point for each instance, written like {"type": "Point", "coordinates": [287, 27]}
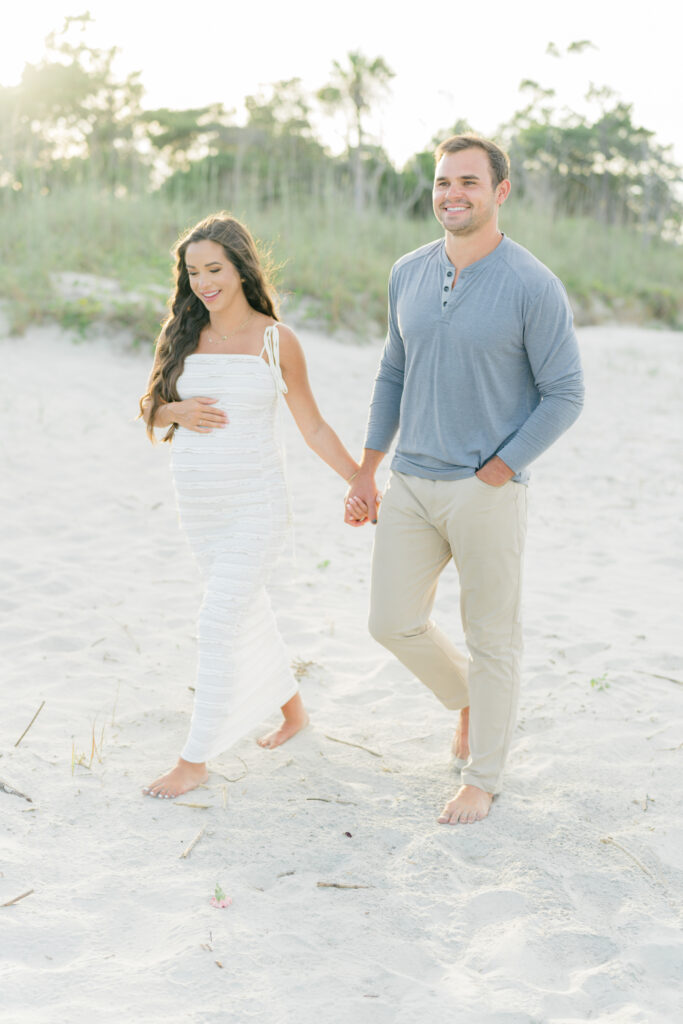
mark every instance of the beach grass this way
{"type": "Point", "coordinates": [330, 262]}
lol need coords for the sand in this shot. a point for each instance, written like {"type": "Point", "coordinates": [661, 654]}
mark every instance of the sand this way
{"type": "Point", "coordinates": [564, 905]}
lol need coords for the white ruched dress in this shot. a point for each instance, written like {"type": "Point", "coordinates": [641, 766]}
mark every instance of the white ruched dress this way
{"type": "Point", "coordinates": [233, 505]}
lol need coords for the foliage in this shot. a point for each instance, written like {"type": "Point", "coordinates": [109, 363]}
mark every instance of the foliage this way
{"type": "Point", "coordinates": [70, 116]}
{"type": "Point", "coordinates": [353, 88]}
{"type": "Point", "coordinates": [91, 182]}
{"type": "Point", "coordinates": [606, 167]}
{"type": "Point", "coordinates": [333, 264]}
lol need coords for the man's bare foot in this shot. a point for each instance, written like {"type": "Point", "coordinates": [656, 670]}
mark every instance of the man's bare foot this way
{"type": "Point", "coordinates": [469, 804]}
{"type": "Point", "coordinates": [296, 719]}
{"type": "Point", "coordinates": [185, 776]}
{"type": "Point", "coordinates": [460, 747]}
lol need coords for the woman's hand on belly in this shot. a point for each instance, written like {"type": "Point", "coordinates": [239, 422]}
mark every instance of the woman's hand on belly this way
{"type": "Point", "coordinates": [199, 414]}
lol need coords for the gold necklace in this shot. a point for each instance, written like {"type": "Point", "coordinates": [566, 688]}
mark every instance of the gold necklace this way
{"type": "Point", "coordinates": [224, 337]}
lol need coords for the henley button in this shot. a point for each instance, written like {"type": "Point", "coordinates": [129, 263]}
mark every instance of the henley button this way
{"type": "Point", "coordinates": [449, 274]}
{"type": "Point", "coordinates": [446, 288]}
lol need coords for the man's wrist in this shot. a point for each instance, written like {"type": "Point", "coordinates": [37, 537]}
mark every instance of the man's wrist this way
{"type": "Point", "coordinates": [369, 462]}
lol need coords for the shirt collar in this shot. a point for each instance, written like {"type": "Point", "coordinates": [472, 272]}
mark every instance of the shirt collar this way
{"type": "Point", "coordinates": [478, 265]}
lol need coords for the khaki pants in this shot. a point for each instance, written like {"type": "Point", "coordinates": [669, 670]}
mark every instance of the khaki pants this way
{"type": "Point", "coordinates": [422, 525]}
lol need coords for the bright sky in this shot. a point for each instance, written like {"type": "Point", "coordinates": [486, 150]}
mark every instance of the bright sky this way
{"type": "Point", "coordinates": [451, 61]}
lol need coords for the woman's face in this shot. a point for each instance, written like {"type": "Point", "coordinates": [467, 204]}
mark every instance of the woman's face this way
{"type": "Point", "coordinates": [212, 276]}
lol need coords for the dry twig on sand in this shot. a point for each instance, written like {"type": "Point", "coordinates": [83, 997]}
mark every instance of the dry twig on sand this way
{"type": "Point", "coordinates": [11, 791]}
{"type": "Point", "coordinates": [17, 898]}
{"type": "Point", "coordinates": [609, 841]}
{"type": "Point", "coordinates": [301, 668]}
{"type": "Point", "coordinates": [325, 800]}
{"type": "Point", "coordinates": [656, 675]}
{"type": "Point", "coordinates": [340, 885]}
{"type": "Point", "coordinates": [238, 778]}
{"type": "Point", "coordinates": [358, 746]}
{"type": "Point", "coordinates": [190, 846]}
{"type": "Point", "coordinates": [30, 724]}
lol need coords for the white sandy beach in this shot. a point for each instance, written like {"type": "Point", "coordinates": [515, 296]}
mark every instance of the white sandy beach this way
{"type": "Point", "coordinates": [563, 906]}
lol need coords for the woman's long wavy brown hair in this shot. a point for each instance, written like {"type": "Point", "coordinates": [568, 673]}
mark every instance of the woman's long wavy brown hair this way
{"type": "Point", "coordinates": [180, 331]}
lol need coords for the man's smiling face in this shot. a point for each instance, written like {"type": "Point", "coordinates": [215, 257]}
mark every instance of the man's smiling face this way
{"type": "Point", "coordinates": [464, 197]}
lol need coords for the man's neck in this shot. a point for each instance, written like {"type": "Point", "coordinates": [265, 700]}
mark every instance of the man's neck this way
{"type": "Point", "coordinates": [467, 249]}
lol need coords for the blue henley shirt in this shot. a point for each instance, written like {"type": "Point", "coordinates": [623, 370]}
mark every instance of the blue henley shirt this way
{"type": "Point", "coordinates": [488, 367]}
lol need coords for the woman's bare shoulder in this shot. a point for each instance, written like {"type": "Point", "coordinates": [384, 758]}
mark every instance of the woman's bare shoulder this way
{"type": "Point", "coordinates": [288, 336]}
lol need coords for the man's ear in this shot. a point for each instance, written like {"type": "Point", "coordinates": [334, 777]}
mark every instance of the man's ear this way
{"type": "Point", "coordinates": [503, 191]}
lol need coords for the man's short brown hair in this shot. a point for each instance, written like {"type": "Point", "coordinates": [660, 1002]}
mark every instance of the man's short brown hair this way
{"type": "Point", "coordinates": [498, 158]}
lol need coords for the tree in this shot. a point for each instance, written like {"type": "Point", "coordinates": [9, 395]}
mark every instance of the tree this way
{"type": "Point", "coordinates": [602, 166]}
{"type": "Point", "coordinates": [70, 110]}
{"type": "Point", "coordinates": [181, 136]}
{"type": "Point", "coordinates": [353, 89]}
{"type": "Point", "coordinates": [282, 148]}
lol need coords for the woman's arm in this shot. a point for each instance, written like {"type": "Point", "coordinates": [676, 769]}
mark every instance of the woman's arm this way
{"type": "Point", "coordinates": [189, 414]}
{"type": "Point", "coordinates": [316, 432]}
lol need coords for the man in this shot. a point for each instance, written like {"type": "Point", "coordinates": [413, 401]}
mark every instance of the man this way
{"type": "Point", "coordinates": [479, 375]}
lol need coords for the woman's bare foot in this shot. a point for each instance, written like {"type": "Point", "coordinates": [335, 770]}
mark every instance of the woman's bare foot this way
{"type": "Point", "coordinates": [469, 804]}
{"type": "Point", "coordinates": [185, 776]}
{"type": "Point", "coordinates": [460, 747]}
{"type": "Point", "coordinates": [296, 718]}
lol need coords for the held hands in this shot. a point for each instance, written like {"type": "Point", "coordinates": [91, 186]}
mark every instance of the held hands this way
{"type": "Point", "coordinates": [355, 512]}
{"type": "Point", "coordinates": [361, 502]}
{"type": "Point", "coordinates": [199, 415]}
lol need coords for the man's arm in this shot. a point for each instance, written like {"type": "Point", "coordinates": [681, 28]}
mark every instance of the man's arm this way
{"type": "Point", "coordinates": [385, 403]}
{"type": "Point", "coordinates": [383, 419]}
{"type": "Point", "coordinates": [553, 353]}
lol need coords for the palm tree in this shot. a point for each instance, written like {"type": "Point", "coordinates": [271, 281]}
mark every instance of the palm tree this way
{"type": "Point", "coordinates": [353, 88]}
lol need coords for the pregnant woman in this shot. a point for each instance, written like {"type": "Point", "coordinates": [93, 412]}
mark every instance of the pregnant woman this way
{"type": "Point", "coordinates": [222, 365]}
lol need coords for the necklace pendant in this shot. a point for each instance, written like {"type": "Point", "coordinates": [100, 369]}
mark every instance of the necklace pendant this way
{"type": "Point", "coordinates": [224, 337]}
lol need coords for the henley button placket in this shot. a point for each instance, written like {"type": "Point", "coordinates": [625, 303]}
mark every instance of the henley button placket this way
{"type": "Point", "coordinates": [447, 287]}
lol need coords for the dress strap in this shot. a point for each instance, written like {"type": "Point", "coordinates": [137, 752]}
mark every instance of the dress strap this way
{"type": "Point", "coordinates": [271, 346]}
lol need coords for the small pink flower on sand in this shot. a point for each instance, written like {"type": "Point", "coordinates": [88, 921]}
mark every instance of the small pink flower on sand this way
{"type": "Point", "coordinates": [219, 899]}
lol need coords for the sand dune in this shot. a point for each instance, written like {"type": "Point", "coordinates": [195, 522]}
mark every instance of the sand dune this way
{"type": "Point", "coordinates": [563, 906]}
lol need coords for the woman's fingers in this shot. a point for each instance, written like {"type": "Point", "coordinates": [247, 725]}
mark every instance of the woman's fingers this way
{"type": "Point", "coordinates": [356, 511]}
{"type": "Point", "coordinates": [205, 425]}
{"type": "Point", "coordinates": [209, 421]}
{"type": "Point", "coordinates": [203, 417]}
